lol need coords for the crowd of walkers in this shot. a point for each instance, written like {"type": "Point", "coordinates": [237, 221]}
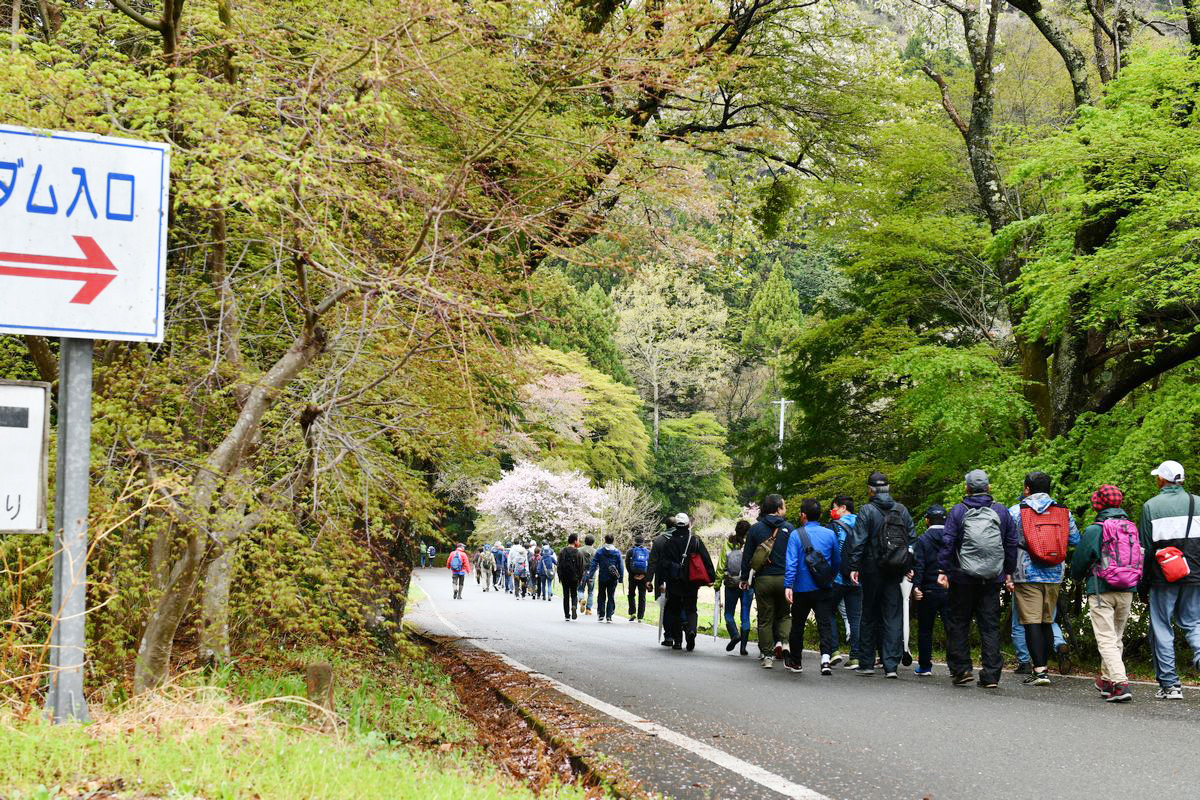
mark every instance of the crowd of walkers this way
{"type": "Point", "coordinates": [858, 573]}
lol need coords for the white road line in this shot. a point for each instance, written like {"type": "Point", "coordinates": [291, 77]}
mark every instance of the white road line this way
{"type": "Point", "coordinates": [713, 755]}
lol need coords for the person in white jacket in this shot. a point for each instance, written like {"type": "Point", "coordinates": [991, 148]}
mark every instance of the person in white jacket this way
{"type": "Point", "coordinates": [518, 566]}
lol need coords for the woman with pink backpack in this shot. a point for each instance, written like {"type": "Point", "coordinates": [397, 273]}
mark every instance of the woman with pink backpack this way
{"type": "Point", "coordinates": [1110, 559]}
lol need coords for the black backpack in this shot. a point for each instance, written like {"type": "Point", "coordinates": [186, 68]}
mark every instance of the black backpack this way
{"type": "Point", "coordinates": [892, 543]}
{"type": "Point", "coordinates": [819, 568]}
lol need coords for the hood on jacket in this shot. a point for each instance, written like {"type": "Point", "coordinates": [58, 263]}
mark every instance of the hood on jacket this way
{"type": "Point", "coordinates": [1039, 502]}
{"type": "Point", "coordinates": [978, 500]}
{"type": "Point", "coordinates": [773, 520]}
{"type": "Point", "coordinates": [883, 500]}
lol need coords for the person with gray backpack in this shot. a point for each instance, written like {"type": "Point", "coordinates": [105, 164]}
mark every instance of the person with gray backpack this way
{"type": "Point", "coordinates": [978, 556]}
{"type": "Point", "coordinates": [729, 571]}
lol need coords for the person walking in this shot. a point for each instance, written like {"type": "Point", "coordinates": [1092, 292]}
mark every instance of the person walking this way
{"type": "Point", "coordinates": [978, 555]}
{"type": "Point", "coordinates": [487, 567]}
{"type": "Point", "coordinates": [728, 582]}
{"type": "Point", "coordinates": [570, 573]}
{"type": "Point", "coordinates": [459, 565]}
{"type": "Point", "coordinates": [423, 553]}
{"type": "Point", "coordinates": [847, 597]}
{"type": "Point", "coordinates": [549, 563]}
{"type": "Point", "coordinates": [588, 551]}
{"type": "Point", "coordinates": [518, 562]}
{"type": "Point", "coordinates": [931, 598]}
{"type": "Point", "coordinates": [683, 582]}
{"type": "Point", "coordinates": [813, 560]}
{"type": "Point", "coordinates": [880, 557]}
{"type": "Point", "coordinates": [656, 577]}
{"type": "Point", "coordinates": [765, 554]}
{"type": "Point", "coordinates": [1045, 530]}
{"type": "Point", "coordinates": [500, 574]}
{"type": "Point", "coordinates": [1110, 560]}
{"type": "Point", "coordinates": [1171, 574]}
{"type": "Point", "coordinates": [637, 565]}
{"type": "Point", "coordinates": [607, 569]}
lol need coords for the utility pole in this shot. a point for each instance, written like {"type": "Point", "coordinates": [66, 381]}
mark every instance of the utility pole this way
{"type": "Point", "coordinates": [783, 404]}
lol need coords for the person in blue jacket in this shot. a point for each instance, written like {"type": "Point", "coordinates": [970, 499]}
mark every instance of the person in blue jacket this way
{"type": "Point", "coordinates": [807, 592]}
{"type": "Point", "coordinates": [608, 569]}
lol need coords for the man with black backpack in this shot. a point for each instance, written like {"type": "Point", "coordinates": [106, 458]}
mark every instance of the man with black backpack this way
{"type": "Point", "coordinates": [813, 558]}
{"type": "Point", "coordinates": [1045, 531]}
{"type": "Point", "coordinates": [570, 572]}
{"type": "Point", "coordinates": [765, 554]}
{"type": "Point", "coordinates": [637, 564]}
{"type": "Point", "coordinates": [880, 557]}
{"type": "Point", "coordinates": [977, 556]}
{"type": "Point", "coordinates": [682, 581]}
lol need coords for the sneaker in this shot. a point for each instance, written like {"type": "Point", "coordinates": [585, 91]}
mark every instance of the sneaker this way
{"type": "Point", "coordinates": [667, 643]}
{"type": "Point", "coordinates": [835, 659]}
{"type": "Point", "coordinates": [989, 684]}
{"type": "Point", "coordinates": [1120, 693]}
{"type": "Point", "coordinates": [793, 666]}
{"type": "Point", "coordinates": [786, 654]}
{"type": "Point", "coordinates": [632, 618]}
{"type": "Point", "coordinates": [891, 674]}
{"type": "Point", "coordinates": [826, 669]}
{"type": "Point", "coordinates": [768, 662]}
{"type": "Point", "coordinates": [1064, 659]}
{"type": "Point", "coordinates": [1037, 679]}
{"type": "Point", "coordinates": [1169, 693]}
{"type": "Point", "coordinates": [691, 642]}
{"type": "Point", "coordinates": [962, 679]}
{"type": "Point", "coordinates": [779, 651]}
{"type": "Point", "coordinates": [864, 671]}
{"type": "Point", "coordinates": [923, 672]}
{"type": "Point", "coordinates": [732, 644]}
{"type": "Point", "coordinates": [1104, 687]}
{"type": "Point", "coordinates": [677, 646]}
{"type": "Point", "coordinates": [608, 620]}
{"type": "Point", "coordinates": [851, 664]}
{"type": "Point", "coordinates": [1024, 668]}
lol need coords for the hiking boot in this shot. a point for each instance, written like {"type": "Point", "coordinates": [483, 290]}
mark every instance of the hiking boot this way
{"type": "Point", "coordinates": [1024, 668]}
{"type": "Point", "coordinates": [632, 618]}
{"type": "Point", "coordinates": [691, 642]}
{"type": "Point", "coordinates": [891, 674]}
{"type": "Point", "coordinates": [1104, 687]}
{"type": "Point", "coordinates": [1064, 659]}
{"type": "Point", "coordinates": [864, 671]}
{"type": "Point", "coordinates": [677, 646]}
{"type": "Point", "coordinates": [962, 679]}
{"type": "Point", "coordinates": [1038, 678]}
{"type": "Point", "coordinates": [923, 672]}
{"type": "Point", "coordinates": [768, 662]}
{"type": "Point", "coordinates": [574, 615]}
{"type": "Point", "coordinates": [732, 644]}
{"type": "Point", "coordinates": [667, 642]}
{"type": "Point", "coordinates": [793, 666]}
{"type": "Point", "coordinates": [742, 650]}
{"type": "Point", "coordinates": [779, 650]}
{"type": "Point", "coordinates": [851, 664]}
{"type": "Point", "coordinates": [835, 659]}
{"type": "Point", "coordinates": [1120, 693]}
{"type": "Point", "coordinates": [1169, 693]}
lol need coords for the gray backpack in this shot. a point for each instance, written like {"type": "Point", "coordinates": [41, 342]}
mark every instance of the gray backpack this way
{"type": "Point", "coordinates": [981, 554]}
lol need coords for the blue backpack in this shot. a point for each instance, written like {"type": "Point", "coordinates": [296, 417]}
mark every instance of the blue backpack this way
{"type": "Point", "coordinates": [456, 562]}
{"type": "Point", "coordinates": [639, 559]}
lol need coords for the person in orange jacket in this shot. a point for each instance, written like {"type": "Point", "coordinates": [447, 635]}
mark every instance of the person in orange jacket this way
{"type": "Point", "coordinates": [459, 565]}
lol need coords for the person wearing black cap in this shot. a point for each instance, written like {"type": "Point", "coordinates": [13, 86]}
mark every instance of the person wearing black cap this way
{"type": "Point", "coordinates": [880, 557]}
{"type": "Point", "coordinates": [931, 598]}
{"type": "Point", "coordinates": [679, 617]}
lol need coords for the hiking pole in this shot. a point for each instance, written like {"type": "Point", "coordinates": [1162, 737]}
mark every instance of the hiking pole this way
{"type": "Point", "coordinates": [716, 610]}
{"type": "Point", "coordinates": [661, 602]}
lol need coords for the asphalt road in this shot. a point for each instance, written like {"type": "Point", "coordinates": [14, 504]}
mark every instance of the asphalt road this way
{"type": "Point", "coordinates": [844, 736]}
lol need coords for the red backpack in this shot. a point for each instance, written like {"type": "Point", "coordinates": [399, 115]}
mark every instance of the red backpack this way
{"type": "Point", "coordinates": [1046, 534]}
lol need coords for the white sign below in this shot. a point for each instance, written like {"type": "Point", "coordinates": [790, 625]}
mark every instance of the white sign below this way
{"type": "Point", "coordinates": [83, 234]}
{"type": "Point", "coordinates": [24, 454]}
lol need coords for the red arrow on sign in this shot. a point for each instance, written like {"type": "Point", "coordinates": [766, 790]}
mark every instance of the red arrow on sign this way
{"type": "Point", "coordinates": [93, 258]}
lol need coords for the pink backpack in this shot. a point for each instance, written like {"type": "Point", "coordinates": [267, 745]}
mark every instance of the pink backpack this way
{"type": "Point", "coordinates": [1121, 554]}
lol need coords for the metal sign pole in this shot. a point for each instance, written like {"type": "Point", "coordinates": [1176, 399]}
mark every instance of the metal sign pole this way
{"type": "Point", "coordinates": [65, 700]}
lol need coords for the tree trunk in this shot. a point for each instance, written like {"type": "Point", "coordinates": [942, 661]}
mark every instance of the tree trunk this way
{"type": "Point", "coordinates": [214, 635]}
{"type": "Point", "coordinates": [655, 416]}
{"type": "Point", "coordinates": [1060, 40]}
{"type": "Point", "coordinates": [1191, 12]}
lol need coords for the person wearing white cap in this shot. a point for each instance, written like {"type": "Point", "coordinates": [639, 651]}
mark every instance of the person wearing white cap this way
{"type": "Point", "coordinates": [1171, 576]}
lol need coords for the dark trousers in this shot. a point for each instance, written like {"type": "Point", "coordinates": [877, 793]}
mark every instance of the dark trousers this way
{"type": "Point", "coordinates": [637, 597]}
{"type": "Point", "coordinates": [851, 596]}
{"type": "Point", "coordinates": [607, 604]}
{"type": "Point", "coordinates": [570, 604]}
{"type": "Point", "coordinates": [882, 626]}
{"type": "Point", "coordinates": [934, 603]}
{"type": "Point", "coordinates": [981, 602]}
{"type": "Point", "coordinates": [679, 616]}
{"type": "Point", "coordinates": [819, 603]}
{"type": "Point", "coordinates": [1039, 636]}
{"type": "Point", "coordinates": [458, 585]}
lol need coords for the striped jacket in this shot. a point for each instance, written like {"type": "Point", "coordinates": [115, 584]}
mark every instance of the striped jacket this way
{"type": "Point", "coordinates": [1164, 523]}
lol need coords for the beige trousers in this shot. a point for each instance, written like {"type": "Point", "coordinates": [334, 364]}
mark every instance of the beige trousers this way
{"type": "Point", "coordinates": [1109, 613]}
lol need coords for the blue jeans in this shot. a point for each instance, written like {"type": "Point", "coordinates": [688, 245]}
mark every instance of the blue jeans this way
{"type": "Point", "coordinates": [591, 593]}
{"type": "Point", "coordinates": [549, 585]}
{"type": "Point", "coordinates": [851, 598]}
{"type": "Point", "coordinates": [732, 598]}
{"type": "Point", "coordinates": [1181, 604]}
{"type": "Point", "coordinates": [1018, 637]}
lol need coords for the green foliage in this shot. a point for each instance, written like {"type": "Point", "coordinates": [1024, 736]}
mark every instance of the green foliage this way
{"type": "Point", "coordinates": [774, 315]}
{"type": "Point", "coordinates": [583, 321]}
{"type": "Point", "coordinates": [691, 467]}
